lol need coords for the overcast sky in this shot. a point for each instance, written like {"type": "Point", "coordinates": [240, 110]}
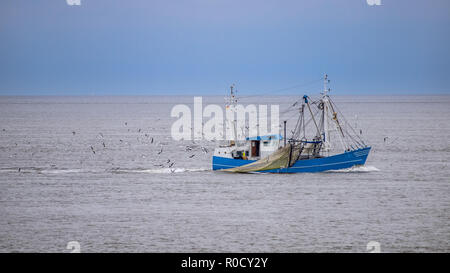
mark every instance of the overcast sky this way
{"type": "Point", "coordinates": [127, 47]}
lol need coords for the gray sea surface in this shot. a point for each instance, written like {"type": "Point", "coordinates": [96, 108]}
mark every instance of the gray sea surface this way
{"type": "Point", "coordinates": [126, 197]}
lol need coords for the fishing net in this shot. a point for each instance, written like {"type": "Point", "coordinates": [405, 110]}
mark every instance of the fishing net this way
{"type": "Point", "coordinates": [282, 158]}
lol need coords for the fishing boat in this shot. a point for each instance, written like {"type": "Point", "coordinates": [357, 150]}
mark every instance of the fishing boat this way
{"type": "Point", "coordinates": [330, 144]}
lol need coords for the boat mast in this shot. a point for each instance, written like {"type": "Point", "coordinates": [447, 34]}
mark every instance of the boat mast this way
{"type": "Point", "coordinates": [319, 135]}
{"type": "Point", "coordinates": [326, 127]}
{"type": "Point", "coordinates": [232, 103]}
{"type": "Point", "coordinates": [327, 106]}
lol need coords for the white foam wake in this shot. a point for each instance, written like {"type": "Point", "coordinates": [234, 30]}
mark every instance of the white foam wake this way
{"type": "Point", "coordinates": [357, 169]}
{"type": "Point", "coordinates": [62, 171]}
{"type": "Point", "coordinates": [161, 170]}
{"type": "Point", "coordinates": [116, 170]}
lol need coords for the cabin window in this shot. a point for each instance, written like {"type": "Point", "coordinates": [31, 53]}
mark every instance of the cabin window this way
{"type": "Point", "coordinates": [266, 143]}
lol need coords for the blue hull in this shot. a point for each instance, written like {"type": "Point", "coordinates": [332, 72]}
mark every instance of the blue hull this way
{"type": "Point", "coordinates": [335, 162]}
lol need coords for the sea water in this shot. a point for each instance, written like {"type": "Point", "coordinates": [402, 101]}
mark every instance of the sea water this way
{"type": "Point", "coordinates": [106, 173]}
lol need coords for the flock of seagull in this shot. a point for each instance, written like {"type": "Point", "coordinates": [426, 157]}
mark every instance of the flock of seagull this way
{"type": "Point", "coordinates": [169, 163]}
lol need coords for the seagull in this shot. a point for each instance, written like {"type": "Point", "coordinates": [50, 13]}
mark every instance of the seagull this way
{"type": "Point", "coordinates": [73, 132]}
{"type": "Point", "coordinates": [92, 148]}
{"type": "Point", "coordinates": [191, 156]}
{"type": "Point", "coordinates": [139, 130]}
{"type": "Point", "coordinates": [160, 150]}
{"type": "Point", "coordinates": [151, 141]}
{"type": "Point", "coordinates": [385, 138]}
{"type": "Point", "coordinates": [104, 146]}
{"type": "Point", "coordinates": [168, 160]}
{"type": "Point", "coordinates": [170, 166]}
{"type": "Point", "coordinates": [19, 170]}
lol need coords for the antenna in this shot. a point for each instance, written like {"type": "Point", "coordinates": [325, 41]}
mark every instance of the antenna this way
{"type": "Point", "coordinates": [232, 103]}
{"type": "Point", "coordinates": [325, 89]}
{"type": "Point", "coordinates": [325, 125]}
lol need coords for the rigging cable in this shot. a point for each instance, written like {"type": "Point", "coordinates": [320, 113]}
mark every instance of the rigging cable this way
{"type": "Point", "coordinates": [361, 141]}
{"type": "Point", "coordinates": [284, 89]}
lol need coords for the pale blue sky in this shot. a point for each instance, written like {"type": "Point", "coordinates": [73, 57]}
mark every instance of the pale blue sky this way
{"type": "Point", "coordinates": [109, 47]}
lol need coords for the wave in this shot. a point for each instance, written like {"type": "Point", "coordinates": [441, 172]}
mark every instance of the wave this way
{"type": "Point", "coordinates": [65, 171]}
{"type": "Point", "coordinates": [357, 169]}
{"type": "Point", "coordinates": [115, 170]}
{"type": "Point", "coordinates": [46, 171]}
{"type": "Point", "coordinates": [160, 170]}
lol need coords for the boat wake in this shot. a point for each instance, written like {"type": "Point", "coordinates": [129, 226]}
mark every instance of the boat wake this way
{"type": "Point", "coordinates": [160, 170]}
{"type": "Point", "coordinates": [356, 169]}
{"type": "Point", "coordinates": [38, 170]}
{"type": "Point", "coordinates": [65, 171]}
{"type": "Point", "coordinates": [55, 171]}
